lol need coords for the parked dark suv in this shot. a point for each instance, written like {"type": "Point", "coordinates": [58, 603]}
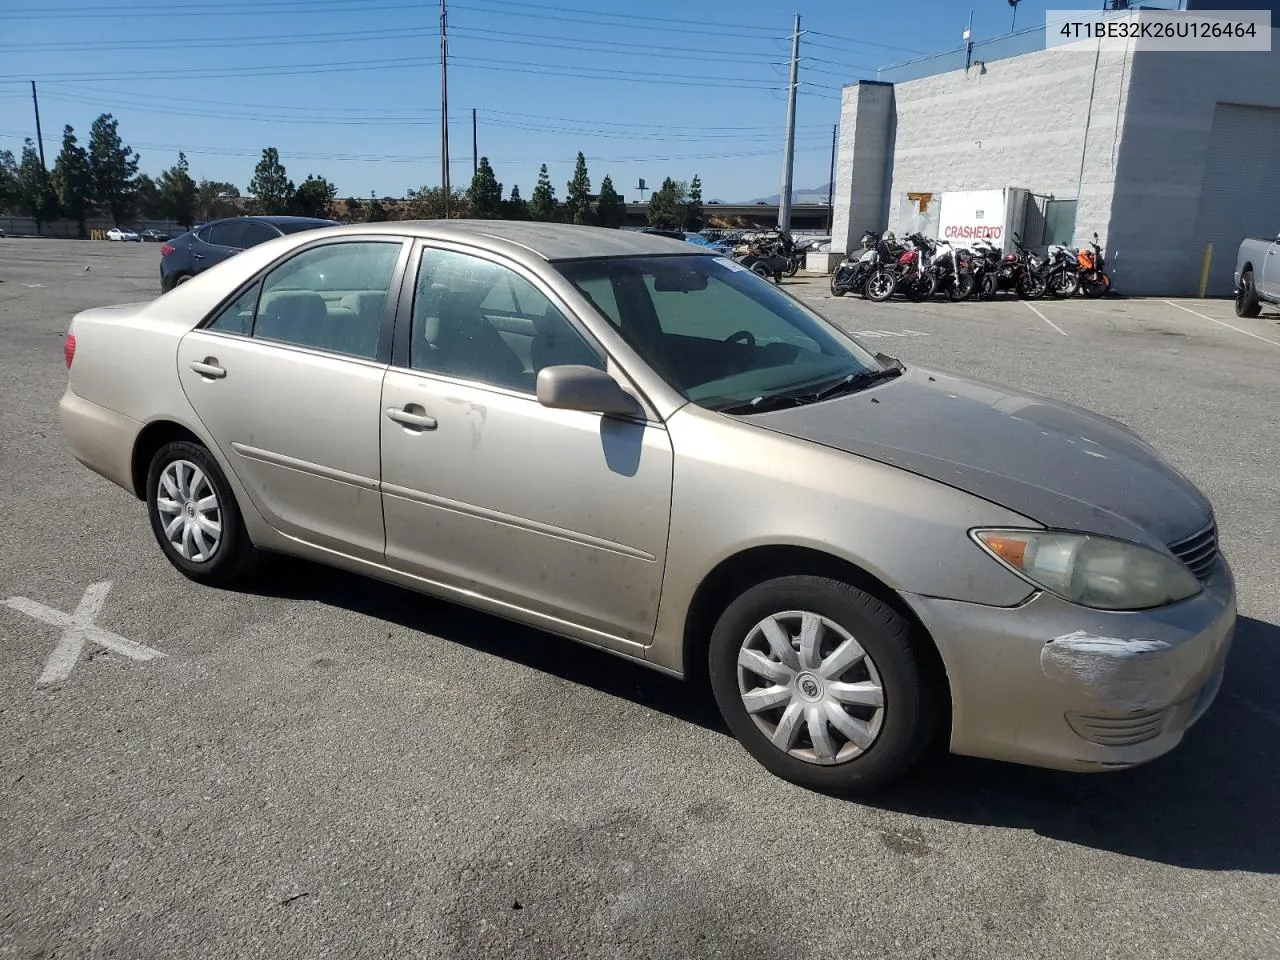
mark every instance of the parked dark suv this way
{"type": "Point", "coordinates": [208, 244]}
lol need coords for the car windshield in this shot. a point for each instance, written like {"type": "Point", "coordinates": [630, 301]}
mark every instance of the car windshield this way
{"type": "Point", "coordinates": [719, 334]}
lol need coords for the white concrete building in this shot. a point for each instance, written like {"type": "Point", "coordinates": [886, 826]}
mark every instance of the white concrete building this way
{"type": "Point", "coordinates": [1161, 153]}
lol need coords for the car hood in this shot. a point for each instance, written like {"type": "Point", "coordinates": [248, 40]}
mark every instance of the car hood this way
{"type": "Point", "coordinates": [1055, 463]}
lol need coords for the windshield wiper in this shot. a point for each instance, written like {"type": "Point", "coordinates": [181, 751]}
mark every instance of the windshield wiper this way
{"type": "Point", "coordinates": [764, 403]}
{"type": "Point", "coordinates": [854, 381]}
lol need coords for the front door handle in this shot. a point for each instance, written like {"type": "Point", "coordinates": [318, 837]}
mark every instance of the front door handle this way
{"type": "Point", "coordinates": [208, 367]}
{"type": "Point", "coordinates": [408, 418]}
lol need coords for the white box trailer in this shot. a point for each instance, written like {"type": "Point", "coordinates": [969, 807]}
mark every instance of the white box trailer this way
{"type": "Point", "coordinates": [994, 215]}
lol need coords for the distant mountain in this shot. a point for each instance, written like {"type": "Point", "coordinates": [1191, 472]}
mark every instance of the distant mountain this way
{"type": "Point", "coordinates": [814, 195]}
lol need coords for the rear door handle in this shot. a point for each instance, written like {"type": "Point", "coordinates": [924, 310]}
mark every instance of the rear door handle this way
{"type": "Point", "coordinates": [208, 367]}
{"type": "Point", "coordinates": [197, 256]}
{"type": "Point", "coordinates": [415, 421]}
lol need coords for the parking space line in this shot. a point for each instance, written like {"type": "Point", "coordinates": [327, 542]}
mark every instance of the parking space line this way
{"type": "Point", "coordinates": [1222, 323]}
{"type": "Point", "coordinates": [1044, 318]}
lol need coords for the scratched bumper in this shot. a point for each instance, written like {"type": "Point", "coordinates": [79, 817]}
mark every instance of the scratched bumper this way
{"type": "Point", "coordinates": [1053, 684]}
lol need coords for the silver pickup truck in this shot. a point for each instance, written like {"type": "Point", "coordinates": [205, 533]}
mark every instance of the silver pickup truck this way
{"type": "Point", "coordinates": [1257, 275]}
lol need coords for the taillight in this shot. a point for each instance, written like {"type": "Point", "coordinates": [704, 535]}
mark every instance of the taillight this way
{"type": "Point", "coordinates": [69, 345]}
{"type": "Point", "coordinates": [167, 249]}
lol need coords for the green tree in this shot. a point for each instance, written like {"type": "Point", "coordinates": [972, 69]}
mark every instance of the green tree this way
{"type": "Point", "coordinates": [693, 217]}
{"type": "Point", "coordinates": [113, 166]}
{"type": "Point", "coordinates": [577, 202]}
{"type": "Point", "coordinates": [611, 209]}
{"type": "Point", "coordinates": [72, 180]}
{"type": "Point", "coordinates": [429, 203]}
{"type": "Point", "coordinates": [667, 205]}
{"type": "Point", "coordinates": [8, 181]}
{"type": "Point", "coordinates": [485, 193]}
{"type": "Point", "coordinates": [271, 187]}
{"type": "Point", "coordinates": [36, 196]}
{"type": "Point", "coordinates": [373, 210]}
{"type": "Point", "coordinates": [543, 205]}
{"type": "Point", "coordinates": [146, 200]}
{"type": "Point", "coordinates": [178, 193]}
{"type": "Point", "coordinates": [517, 208]}
{"type": "Point", "coordinates": [313, 196]}
{"type": "Point", "coordinates": [215, 199]}
{"type": "Point", "coordinates": [353, 207]}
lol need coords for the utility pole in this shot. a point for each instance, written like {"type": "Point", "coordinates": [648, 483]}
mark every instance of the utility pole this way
{"type": "Point", "coordinates": [39, 136]}
{"type": "Point", "coordinates": [475, 141]}
{"type": "Point", "coordinates": [1014, 4]}
{"type": "Point", "coordinates": [444, 109]}
{"type": "Point", "coordinates": [831, 184]}
{"type": "Point", "coordinates": [784, 198]}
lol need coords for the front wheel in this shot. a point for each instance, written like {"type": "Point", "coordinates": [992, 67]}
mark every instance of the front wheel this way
{"type": "Point", "coordinates": [880, 286]}
{"type": "Point", "coordinates": [840, 283]}
{"type": "Point", "coordinates": [961, 287]}
{"type": "Point", "coordinates": [1031, 286]}
{"type": "Point", "coordinates": [923, 287]}
{"type": "Point", "coordinates": [823, 684]}
{"type": "Point", "coordinates": [1064, 284]}
{"type": "Point", "coordinates": [1247, 303]}
{"type": "Point", "coordinates": [194, 515]}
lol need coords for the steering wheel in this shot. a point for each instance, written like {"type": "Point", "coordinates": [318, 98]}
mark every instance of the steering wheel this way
{"type": "Point", "coordinates": [746, 336]}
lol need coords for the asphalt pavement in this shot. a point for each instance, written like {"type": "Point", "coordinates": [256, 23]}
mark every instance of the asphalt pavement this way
{"type": "Point", "coordinates": [323, 766]}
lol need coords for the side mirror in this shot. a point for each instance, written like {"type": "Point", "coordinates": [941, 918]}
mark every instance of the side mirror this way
{"type": "Point", "coordinates": [1095, 236]}
{"type": "Point", "coordinates": [573, 386]}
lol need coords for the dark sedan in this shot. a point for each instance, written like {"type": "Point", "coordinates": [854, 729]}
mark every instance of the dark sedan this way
{"type": "Point", "coordinates": [154, 236]}
{"type": "Point", "coordinates": [209, 244]}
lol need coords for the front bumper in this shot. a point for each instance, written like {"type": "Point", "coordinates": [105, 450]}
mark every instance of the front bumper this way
{"type": "Point", "coordinates": [1053, 684]}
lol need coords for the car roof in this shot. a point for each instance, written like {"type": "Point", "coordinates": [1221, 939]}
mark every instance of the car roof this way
{"type": "Point", "coordinates": [550, 241]}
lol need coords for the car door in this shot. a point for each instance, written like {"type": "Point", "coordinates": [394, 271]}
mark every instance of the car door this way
{"type": "Point", "coordinates": [1269, 283]}
{"type": "Point", "coordinates": [287, 379]}
{"type": "Point", "coordinates": [557, 513]}
{"type": "Point", "coordinates": [216, 242]}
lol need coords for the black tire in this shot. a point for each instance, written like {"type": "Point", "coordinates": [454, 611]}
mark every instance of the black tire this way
{"type": "Point", "coordinates": [234, 556]}
{"type": "Point", "coordinates": [761, 269]}
{"type": "Point", "coordinates": [961, 287]}
{"type": "Point", "coordinates": [838, 288]}
{"type": "Point", "coordinates": [922, 288]}
{"type": "Point", "coordinates": [910, 713]}
{"type": "Point", "coordinates": [989, 287]}
{"type": "Point", "coordinates": [1097, 286]}
{"type": "Point", "coordinates": [1063, 284]}
{"type": "Point", "coordinates": [880, 286]}
{"type": "Point", "coordinates": [1247, 303]}
{"type": "Point", "coordinates": [1031, 286]}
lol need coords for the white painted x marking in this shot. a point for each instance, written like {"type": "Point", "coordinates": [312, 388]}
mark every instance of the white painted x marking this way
{"type": "Point", "coordinates": [78, 628]}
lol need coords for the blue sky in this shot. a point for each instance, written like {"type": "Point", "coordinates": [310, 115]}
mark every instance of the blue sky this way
{"type": "Point", "coordinates": [350, 89]}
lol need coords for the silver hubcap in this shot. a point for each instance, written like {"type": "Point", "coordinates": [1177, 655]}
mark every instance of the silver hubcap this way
{"type": "Point", "coordinates": [189, 511]}
{"type": "Point", "coordinates": [810, 687]}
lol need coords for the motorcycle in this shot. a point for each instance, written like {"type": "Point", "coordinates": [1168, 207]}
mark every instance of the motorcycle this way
{"type": "Point", "coordinates": [950, 269]}
{"type": "Point", "coordinates": [1062, 271]}
{"type": "Point", "coordinates": [851, 274]}
{"type": "Point", "coordinates": [1021, 271]}
{"type": "Point", "coordinates": [882, 281]}
{"type": "Point", "coordinates": [1094, 279]}
{"type": "Point", "coordinates": [915, 280]}
{"type": "Point", "coordinates": [768, 256]}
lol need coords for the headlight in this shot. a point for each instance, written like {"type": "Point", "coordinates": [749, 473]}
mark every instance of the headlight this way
{"type": "Point", "coordinates": [1092, 571]}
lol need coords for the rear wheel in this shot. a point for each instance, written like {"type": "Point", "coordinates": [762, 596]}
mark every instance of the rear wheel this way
{"type": "Point", "coordinates": [923, 287]}
{"type": "Point", "coordinates": [840, 283]}
{"type": "Point", "coordinates": [822, 684]}
{"type": "Point", "coordinates": [1247, 303]}
{"type": "Point", "coordinates": [194, 515]}
{"type": "Point", "coordinates": [1097, 286]}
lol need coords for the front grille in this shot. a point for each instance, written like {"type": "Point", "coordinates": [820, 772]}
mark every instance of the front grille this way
{"type": "Point", "coordinates": [1119, 731]}
{"type": "Point", "coordinates": [1199, 551]}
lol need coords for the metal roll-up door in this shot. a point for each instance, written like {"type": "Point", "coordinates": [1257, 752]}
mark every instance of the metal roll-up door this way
{"type": "Point", "coordinates": [1238, 198]}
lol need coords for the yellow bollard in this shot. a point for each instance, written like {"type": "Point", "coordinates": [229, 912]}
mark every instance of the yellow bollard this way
{"type": "Point", "coordinates": [1204, 268]}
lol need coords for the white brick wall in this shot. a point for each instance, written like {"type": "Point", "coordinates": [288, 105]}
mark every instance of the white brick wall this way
{"type": "Point", "coordinates": [1139, 125]}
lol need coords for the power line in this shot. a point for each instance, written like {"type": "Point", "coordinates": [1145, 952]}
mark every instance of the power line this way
{"type": "Point", "coordinates": [264, 70]}
{"type": "Point", "coordinates": [582, 19]}
{"type": "Point", "coordinates": [267, 7]}
{"type": "Point", "coordinates": [213, 43]}
{"type": "Point", "coordinates": [592, 46]}
{"type": "Point", "coordinates": [559, 8]}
